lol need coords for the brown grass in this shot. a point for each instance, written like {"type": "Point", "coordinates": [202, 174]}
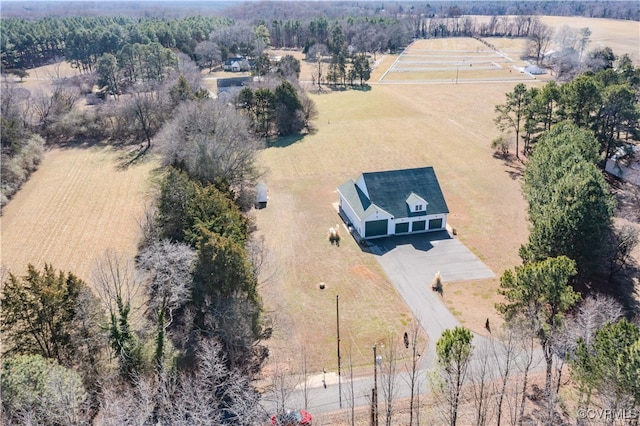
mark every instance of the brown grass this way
{"type": "Point", "coordinates": [80, 203]}
{"type": "Point", "coordinates": [621, 36]}
{"type": "Point", "coordinates": [77, 205]}
{"type": "Point", "coordinates": [460, 60]}
{"type": "Point", "coordinates": [388, 127]}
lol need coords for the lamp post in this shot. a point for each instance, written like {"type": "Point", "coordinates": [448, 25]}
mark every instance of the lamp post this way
{"type": "Point", "coordinates": [338, 332]}
{"type": "Point", "coordinates": [374, 394]}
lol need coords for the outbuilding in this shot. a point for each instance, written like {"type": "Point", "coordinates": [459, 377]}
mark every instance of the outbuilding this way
{"type": "Point", "coordinates": [393, 202]}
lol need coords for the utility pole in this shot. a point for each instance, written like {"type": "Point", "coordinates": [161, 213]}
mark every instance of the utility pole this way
{"type": "Point", "coordinates": [338, 330]}
{"type": "Point", "coordinates": [374, 394]}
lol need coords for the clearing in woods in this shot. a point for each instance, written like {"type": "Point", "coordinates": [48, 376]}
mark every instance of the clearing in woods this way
{"type": "Point", "coordinates": [392, 126]}
{"type": "Point", "coordinates": [388, 127]}
{"type": "Point", "coordinates": [78, 204]}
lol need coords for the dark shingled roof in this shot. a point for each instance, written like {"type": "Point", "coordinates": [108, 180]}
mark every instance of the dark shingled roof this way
{"type": "Point", "coordinates": [390, 190]}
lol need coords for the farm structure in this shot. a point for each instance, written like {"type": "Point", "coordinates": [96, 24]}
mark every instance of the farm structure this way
{"type": "Point", "coordinates": [238, 64]}
{"type": "Point", "coordinates": [393, 202]}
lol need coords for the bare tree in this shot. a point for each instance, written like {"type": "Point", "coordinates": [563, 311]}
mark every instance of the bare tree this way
{"type": "Point", "coordinates": [315, 53]}
{"type": "Point", "coordinates": [411, 340]}
{"type": "Point", "coordinates": [623, 242]}
{"type": "Point", "coordinates": [592, 314]}
{"type": "Point", "coordinates": [504, 352]}
{"type": "Point", "coordinates": [213, 143]}
{"type": "Point", "coordinates": [168, 266]}
{"type": "Point", "coordinates": [115, 282]}
{"type": "Point", "coordinates": [282, 383]}
{"type": "Point", "coordinates": [49, 107]}
{"type": "Point", "coordinates": [480, 377]}
{"type": "Point", "coordinates": [388, 379]}
{"type": "Point", "coordinates": [208, 54]}
{"type": "Point", "coordinates": [525, 362]}
{"type": "Point", "coordinates": [209, 395]}
{"type": "Point", "coordinates": [261, 260]}
{"type": "Point", "coordinates": [148, 118]}
{"type": "Point", "coordinates": [539, 39]}
{"type": "Point", "coordinates": [351, 394]}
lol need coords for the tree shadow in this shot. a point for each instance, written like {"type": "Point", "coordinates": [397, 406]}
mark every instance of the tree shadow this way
{"type": "Point", "coordinates": [361, 88]}
{"type": "Point", "coordinates": [131, 157]}
{"type": "Point", "coordinates": [284, 141]}
{"type": "Point", "coordinates": [78, 143]}
{"type": "Point", "coordinates": [515, 167]}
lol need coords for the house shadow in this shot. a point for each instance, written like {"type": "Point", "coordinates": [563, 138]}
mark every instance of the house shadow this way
{"type": "Point", "coordinates": [420, 242]}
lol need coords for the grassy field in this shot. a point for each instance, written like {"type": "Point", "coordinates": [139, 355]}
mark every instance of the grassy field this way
{"type": "Point", "coordinates": [388, 127]}
{"type": "Point", "coordinates": [80, 202]}
{"type": "Point", "coordinates": [76, 206]}
{"type": "Point", "coordinates": [457, 60]}
{"type": "Point", "coordinates": [621, 36]}
{"type": "Point", "coordinates": [392, 126]}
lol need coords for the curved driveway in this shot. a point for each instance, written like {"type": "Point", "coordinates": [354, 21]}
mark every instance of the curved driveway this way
{"type": "Point", "coordinates": [411, 263]}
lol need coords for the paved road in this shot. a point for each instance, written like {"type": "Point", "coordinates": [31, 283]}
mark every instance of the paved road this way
{"type": "Point", "coordinates": [411, 263]}
{"type": "Point", "coordinates": [321, 399]}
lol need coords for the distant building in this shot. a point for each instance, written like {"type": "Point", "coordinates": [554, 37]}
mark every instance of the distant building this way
{"type": "Point", "coordinates": [237, 64]}
{"type": "Point", "coordinates": [625, 166]}
{"type": "Point", "coordinates": [535, 70]}
{"type": "Point", "coordinates": [394, 202]}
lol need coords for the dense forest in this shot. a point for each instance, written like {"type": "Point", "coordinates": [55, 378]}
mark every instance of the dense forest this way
{"type": "Point", "coordinates": [76, 356]}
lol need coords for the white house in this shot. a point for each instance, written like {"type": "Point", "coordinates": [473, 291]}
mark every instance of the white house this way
{"type": "Point", "coordinates": [237, 64]}
{"type": "Point", "coordinates": [394, 202]}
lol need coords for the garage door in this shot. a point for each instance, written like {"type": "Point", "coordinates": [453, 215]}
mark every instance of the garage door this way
{"type": "Point", "coordinates": [375, 228]}
{"type": "Point", "coordinates": [402, 228]}
{"type": "Point", "coordinates": [435, 224]}
{"type": "Point", "coordinates": [419, 225]}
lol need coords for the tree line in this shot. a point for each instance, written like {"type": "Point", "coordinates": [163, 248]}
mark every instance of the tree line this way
{"type": "Point", "coordinates": [82, 40]}
{"type": "Point", "coordinates": [573, 249]}
{"type": "Point", "coordinates": [602, 100]}
{"type": "Point", "coordinates": [156, 337]}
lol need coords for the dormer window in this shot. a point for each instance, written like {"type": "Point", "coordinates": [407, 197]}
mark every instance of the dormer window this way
{"type": "Point", "coordinates": [416, 204]}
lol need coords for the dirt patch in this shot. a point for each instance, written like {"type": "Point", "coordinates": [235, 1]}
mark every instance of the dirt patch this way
{"type": "Point", "coordinates": [363, 272]}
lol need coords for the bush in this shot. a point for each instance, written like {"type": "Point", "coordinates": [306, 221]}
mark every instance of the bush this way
{"type": "Point", "coordinates": [39, 391]}
{"type": "Point", "coordinates": [15, 170]}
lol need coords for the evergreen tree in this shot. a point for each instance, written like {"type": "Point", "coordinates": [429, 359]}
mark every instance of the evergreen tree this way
{"type": "Point", "coordinates": [38, 310]}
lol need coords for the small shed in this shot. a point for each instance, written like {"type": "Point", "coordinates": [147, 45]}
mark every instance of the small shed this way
{"type": "Point", "coordinates": [261, 195]}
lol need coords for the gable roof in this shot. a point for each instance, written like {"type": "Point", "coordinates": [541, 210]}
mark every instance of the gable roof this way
{"type": "Point", "coordinates": [414, 198]}
{"type": "Point", "coordinates": [390, 190]}
{"type": "Point", "coordinates": [357, 199]}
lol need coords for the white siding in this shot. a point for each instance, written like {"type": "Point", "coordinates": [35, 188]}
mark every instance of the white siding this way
{"type": "Point", "coordinates": [380, 214]}
{"type": "Point", "coordinates": [392, 223]}
{"type": "Point", "coordinates": [351, 216]}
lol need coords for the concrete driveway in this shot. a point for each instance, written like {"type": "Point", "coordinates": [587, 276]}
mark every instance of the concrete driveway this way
{"type": "Point", "coordinates": [411, 263]}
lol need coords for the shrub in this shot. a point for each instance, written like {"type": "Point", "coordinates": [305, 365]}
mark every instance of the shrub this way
{"type": "Point", "coordinates": [15, 170]}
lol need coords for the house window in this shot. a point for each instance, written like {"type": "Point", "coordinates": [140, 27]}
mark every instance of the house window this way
{"type": "Point", "coordinates": [418, 207]}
